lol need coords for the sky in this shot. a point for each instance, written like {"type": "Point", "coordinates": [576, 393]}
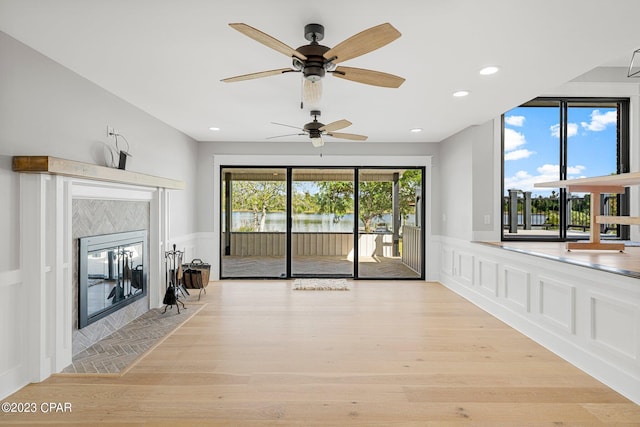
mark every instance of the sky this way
{"type": "Point", "coordinates": [532, 150]}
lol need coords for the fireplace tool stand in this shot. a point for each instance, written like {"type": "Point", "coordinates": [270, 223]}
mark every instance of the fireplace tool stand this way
{"type": "Point", "coordinates": [173, 263]}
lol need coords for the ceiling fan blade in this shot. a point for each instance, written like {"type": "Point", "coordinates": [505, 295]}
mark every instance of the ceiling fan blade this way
{"type": "Point", "coordinates": [340, 124]}
{"type": "Point", "coordinates": [369, 77]}
{"type": "Point", "coordinates": [267, 40]}
{"type": "Point", "coordinates": [282, 136]}
{"type": "Point", "coordinates": [363, 42]}
{"type": "Point", "coordinates": [289, 126]}
{"type": "Point", "coordinates": [351, 136]}
{"type": "Point", "coordinates": [258, 75]}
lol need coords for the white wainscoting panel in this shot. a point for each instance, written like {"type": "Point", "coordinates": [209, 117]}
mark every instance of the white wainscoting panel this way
{"type": "Point", "coordinates": [446, 264]}
{"type": "Point", "coordinates": [614, 325]}
{"type": "Point", "coordinates": [517, 288]}
{"type": "Point", "coordinates": [557, 304]}
{"type": "Point", "coordinates": [488, 276]}
{"type": "Point", "coordinates": [464, 268]}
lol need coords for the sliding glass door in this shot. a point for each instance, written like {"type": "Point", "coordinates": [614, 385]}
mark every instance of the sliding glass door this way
{"type": "Point", "coordinates": [390, 228]}
{"type": "Point", "coordinates": [598, 139]}
{"type": "Point", "coordinates": [253, 223]}
{"type": "Point", "coordinates": [287, 222]}
{"type": "Point", "coordinates": [323, 223]}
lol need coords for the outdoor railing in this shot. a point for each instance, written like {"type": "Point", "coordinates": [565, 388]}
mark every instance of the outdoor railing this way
{"type": "Point", "coordinates": [522, 212]}
{"type": "Point", "coordinates": [412, 247]}
{"type": "Point", "coordinates": [303, 244]}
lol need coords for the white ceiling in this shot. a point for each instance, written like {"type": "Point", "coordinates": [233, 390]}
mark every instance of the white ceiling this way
{"type": "Point", "coordinates": [167, 57]}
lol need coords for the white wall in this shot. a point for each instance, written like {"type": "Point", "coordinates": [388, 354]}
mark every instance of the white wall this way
{"type": "Point", "coordinates": [470, 183]}
{"type": "Point", "coordinates": [485, 173]}
{"type": "Point", "coordinates": [456, 181]}
{"type": "Point", "coordinates": [46, 109]}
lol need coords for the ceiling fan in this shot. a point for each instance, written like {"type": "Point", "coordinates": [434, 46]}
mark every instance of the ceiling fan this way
{"type": "Point", "coordinates": [317, 130]}
{"type": "Point", "coordinates": [315, 60]}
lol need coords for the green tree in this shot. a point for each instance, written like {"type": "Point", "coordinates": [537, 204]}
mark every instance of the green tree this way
{"type": "Point", "coordinates": [375, 198]}
{"type": "Point", "coordinates": [304, 202]}
{"type": "Point", "coordinates": [374, 201]}
{"type": "Point", "coordinates": [335, 197]}
{"type": "Point", "coordinates": [259, 197]}
{"type": "Point", "coordinates": [410, 181]}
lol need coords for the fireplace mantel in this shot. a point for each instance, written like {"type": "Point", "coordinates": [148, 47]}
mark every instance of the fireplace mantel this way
{"type": "Point", "coordinates": [72, 168]}
{"type": "Point", "coordinates": [48, 187]}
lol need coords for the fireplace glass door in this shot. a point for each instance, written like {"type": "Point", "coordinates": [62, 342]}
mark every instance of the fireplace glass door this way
{"type": "Point", "coordinates": [112, 273]}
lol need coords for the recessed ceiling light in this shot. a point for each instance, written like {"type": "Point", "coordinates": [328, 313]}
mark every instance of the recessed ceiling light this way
{"type": "Point", "coordinates": [461, 93]}
{"type": "Point", "coordinates": [416, 130]}
{"type": "Point", "coordinates": [491, 69]}
{"type": "Point", "coordinates": [214, 128]}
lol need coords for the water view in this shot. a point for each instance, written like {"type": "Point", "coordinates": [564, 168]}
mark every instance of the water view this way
{"type": "Point", "coordinates": [307, 222]}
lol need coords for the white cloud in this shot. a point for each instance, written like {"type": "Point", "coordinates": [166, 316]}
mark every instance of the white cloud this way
{"type": "Point", "coordinates": [515, 120]}
{"type": "Point", "coordinates": [524, 181]}
{"type": "Point", "coordinates": [572, 130]}
{"type": "Point", "coordinates": [575, 170]}
{"type": "Point", "coordinates": [513, 139]}
{"type": "Point", "coordinates": [520, 181]}
{"type": "Point", "coordinates": [518, 154]}
{"type": "Point", "coordinates": [547, 170]}
{"type": "Point", "coordinates": [599, 121]}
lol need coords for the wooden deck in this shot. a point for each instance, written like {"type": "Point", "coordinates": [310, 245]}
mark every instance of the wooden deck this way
{"type": "Point", "coordinates": [384, 353]}
{"type": "Point", "coordinates": [274, 267]}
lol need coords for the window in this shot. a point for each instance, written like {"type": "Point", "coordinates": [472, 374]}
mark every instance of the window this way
{"type": "Point", "coordinates": [549, 139]}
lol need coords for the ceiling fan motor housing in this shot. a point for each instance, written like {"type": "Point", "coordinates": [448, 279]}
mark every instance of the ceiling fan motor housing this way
{"type": "Point", "coordinates": [313, 128]}
{"type": "Point", "coordinates": [314, 68]}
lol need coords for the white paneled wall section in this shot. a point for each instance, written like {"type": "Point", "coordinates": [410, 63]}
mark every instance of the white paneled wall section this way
{"type": "Point", "coordinates": [589, 317]}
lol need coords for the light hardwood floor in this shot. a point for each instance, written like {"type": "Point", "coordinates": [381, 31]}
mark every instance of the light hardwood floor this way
{"type": "Point", "coordinates": [383, 353]}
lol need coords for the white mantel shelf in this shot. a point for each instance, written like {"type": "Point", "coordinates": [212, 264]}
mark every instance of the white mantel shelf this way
{"type": "Point", "coordinates": [72, 168]}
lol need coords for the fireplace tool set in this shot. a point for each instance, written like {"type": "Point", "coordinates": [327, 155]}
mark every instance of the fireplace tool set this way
{"type": "Point", "coordinates": [173, 263]}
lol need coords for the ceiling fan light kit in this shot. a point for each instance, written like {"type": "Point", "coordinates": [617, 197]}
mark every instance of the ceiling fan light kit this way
{"type": "Point", "coordinates": [311, 92]}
